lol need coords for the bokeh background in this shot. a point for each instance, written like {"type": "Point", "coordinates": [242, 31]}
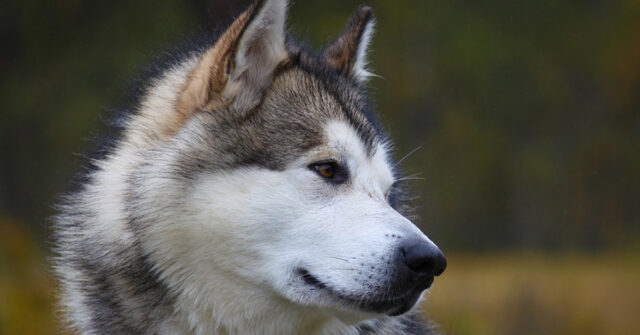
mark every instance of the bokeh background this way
{"type": "Point", "coordinates": [524, 117]}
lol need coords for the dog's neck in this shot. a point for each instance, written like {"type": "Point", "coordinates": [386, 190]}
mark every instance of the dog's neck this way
{"type": "Point", "coordinates": [235, 309]}
{"type": "Point", "coordinates": [282, 324]}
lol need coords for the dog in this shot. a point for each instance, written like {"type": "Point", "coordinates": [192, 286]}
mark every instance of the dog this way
{"type": "Point", "coordinates": [251, 192]}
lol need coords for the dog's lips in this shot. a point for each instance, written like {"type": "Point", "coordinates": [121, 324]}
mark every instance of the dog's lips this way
{"type": "Point", "coordinates": [393, 306]}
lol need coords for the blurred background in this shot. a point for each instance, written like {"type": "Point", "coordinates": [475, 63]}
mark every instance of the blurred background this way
{"type": "Point", "coordinates": [524, 117]}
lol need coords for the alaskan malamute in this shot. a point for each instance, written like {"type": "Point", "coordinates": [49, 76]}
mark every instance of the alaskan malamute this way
{"type": "Point", "coordinates": [252, 192]}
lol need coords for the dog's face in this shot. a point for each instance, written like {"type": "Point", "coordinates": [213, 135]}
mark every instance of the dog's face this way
{"type": "Point", "coordinates": [277, 178]}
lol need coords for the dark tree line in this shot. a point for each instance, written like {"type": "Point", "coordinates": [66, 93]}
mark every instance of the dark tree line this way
{"type": "Point", "coordinates": [526, 112]}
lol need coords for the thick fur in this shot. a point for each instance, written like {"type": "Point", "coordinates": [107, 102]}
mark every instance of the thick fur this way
{"type": "Point", "coordinates": [205, 218]}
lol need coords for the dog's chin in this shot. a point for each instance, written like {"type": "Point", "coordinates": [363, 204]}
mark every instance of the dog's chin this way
{"type": "Point", "coordinates": [370, 303]}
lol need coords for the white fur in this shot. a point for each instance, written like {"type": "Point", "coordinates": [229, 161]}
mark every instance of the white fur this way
{"type": "Point", "coordinates": [230, 246]}
{"type": "Point", "coordinates": [360, 71]}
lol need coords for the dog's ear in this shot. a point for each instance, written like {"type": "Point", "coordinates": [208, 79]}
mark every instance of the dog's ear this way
{"type": "Point", "coordinates": [348, 53]}
{"type": "Point", "coordinates": [235, 71]}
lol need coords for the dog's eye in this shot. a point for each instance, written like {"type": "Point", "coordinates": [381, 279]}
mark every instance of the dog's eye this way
{"type": "Point", "coordinates": [330, 170]}
{"type": "Point", "coordinates": [326, 170]}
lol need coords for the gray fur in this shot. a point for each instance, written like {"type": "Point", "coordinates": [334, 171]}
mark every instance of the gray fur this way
{"type": "Point", "coordinates": [110, 284]}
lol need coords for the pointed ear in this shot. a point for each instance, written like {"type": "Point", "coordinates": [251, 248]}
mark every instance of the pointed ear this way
{"type": "Point", "coordinates": [348, 53]}
{"type": "Point", "coordinates": [235, 71]}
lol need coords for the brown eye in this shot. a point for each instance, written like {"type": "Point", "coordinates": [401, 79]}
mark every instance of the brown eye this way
{"type": "Point", "coordinates": [326, 170]}
{"type": "Point", "coordinates": [331, 171]}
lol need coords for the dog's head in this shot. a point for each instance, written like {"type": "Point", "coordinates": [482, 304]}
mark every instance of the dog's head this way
{"type": "Point", "coordinates": [271, 172]}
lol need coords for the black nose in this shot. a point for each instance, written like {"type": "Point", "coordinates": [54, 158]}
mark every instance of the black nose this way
{"type": "Point", "coordinates": [423, 257]}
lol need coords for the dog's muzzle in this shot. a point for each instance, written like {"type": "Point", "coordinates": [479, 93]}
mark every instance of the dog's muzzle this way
{"type": "Point", "coordinates": [416, 262]}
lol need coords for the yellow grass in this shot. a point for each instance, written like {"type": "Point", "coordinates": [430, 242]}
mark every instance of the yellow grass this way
{"type": "Point", "coordinates": [26, 289]}
{"type": "Point", "coordinates": [538, 294]}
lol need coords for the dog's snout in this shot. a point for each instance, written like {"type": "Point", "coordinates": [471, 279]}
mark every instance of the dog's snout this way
{"type": "Point", "coordinates": [423, 257]}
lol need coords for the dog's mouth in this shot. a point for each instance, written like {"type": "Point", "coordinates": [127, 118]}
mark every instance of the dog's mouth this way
{"type": "Point", "coordinates": [374, 302]}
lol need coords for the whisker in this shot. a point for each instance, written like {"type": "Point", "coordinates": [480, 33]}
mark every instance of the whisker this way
{"type": "Point", "coordinates": [342, 259]}
{"type": "Point", "coordinates": [412, 177]}
{"type": "Point", "coordinates": [407, 155]}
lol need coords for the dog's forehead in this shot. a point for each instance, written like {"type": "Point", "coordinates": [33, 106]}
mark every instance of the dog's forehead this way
{"type": "Point", "coordinates": [291, 121]}
{"type": "Point", "coordinates": [311, 98]}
